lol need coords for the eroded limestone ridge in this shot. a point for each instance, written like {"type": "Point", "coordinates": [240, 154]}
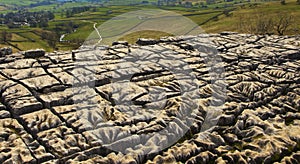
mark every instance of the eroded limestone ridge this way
{"type": "Point", "coordinates": [42, 113]}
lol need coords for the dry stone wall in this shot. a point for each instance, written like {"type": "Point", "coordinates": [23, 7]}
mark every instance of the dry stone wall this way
{"type": "Point", "coordinates": [40, 115]}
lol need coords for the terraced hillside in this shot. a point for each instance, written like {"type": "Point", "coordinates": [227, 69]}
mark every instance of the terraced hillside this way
{"type": "Point", "coordinates": [241, 105]}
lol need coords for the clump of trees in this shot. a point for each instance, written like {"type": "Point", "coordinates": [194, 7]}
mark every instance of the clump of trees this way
{"type": "Point", "coordinates": [278, 24]}
{"type": "Point", "coordinates": [282, 2]}
{"type": "Point", "coordinates": [5, 36]}
{"type": "Point", "coordinates": [77, 10]}
{"type": "Point", "coordinates": [42, 3]}
{"type": "Point", "coordinates": [33, 19]}
{"type": "Point", "coordinates": [66, 27]}
{"type": "Point", "coordinates": [51, 38]}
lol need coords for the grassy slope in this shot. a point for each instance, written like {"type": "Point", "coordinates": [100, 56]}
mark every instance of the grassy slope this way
{"type": "Point", "coordinates": [86, 20]}
{"type": "Point", "coordinates": [19, 2]}
{"type": "Point", "coordinates": [270, 9]}
{"type": "Point", "coordinates": [132, 38]}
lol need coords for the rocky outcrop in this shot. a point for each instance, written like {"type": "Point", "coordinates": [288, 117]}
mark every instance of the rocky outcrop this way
{"type": "Point", "coordinates": [221, 98]}
{"type": "Point", "coordinates": [34, 53]}
{"type": "Point", "coordinates": [5, 51]}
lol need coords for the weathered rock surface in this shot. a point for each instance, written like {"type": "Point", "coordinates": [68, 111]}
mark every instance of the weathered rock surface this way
{"type": "Point", "coordinates": [5, 51]}
{"type": "Point", "coordinates": [128, 101]}
{"type": "Point", "coordinates": [34, 53]}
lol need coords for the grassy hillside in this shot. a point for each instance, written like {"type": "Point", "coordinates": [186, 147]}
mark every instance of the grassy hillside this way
{"type": "Point", "coordinates": [250, 14]}
{"type": "Point", "coordinates": [18, 2]}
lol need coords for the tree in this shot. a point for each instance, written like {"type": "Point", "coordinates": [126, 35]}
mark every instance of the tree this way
{"type": "Point", "coordinates": [227, 13]}
{"type": "Point", "coordinates": [188, 4]}
{"type": "Point", "coordinates": [51, 38]}
{"type": "Point", "coordinates": [283, 23]}
{"type": "Point", "coordinates": [68, 14]}
{"type": "Point", "coordinates": [43, 23]}
{"type": "Point", "coordinates": [33, 23]}
{"type": "Point", "coordinates": [5, 36]}
{"type": "Point", "coordinates": [266, 24]}
{"type": "Point", "coordinates": [209, 2]}
{"type": "Point", "coordinates": [50, 15]}
{"type": "Point", "coordinates": [160, 2]}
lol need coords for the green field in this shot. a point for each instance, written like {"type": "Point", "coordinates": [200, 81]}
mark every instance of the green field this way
{"type": "Point", "coordinates": [18, 2]}
{"type": "Point", "coordinates": [248, 13]}
{"type": "Point", "coordinates": [222, 16]}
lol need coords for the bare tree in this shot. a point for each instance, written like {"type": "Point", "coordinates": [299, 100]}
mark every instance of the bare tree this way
{"type": "Point", "coordinates": [266, 24]}
{"type": "Point", "coordinates": [257, 24]}
{"type": "Point", "coordinates": [5, 36]}
{"type": "Point", "coordinates": [50, 37]}
{"type": "Point", "coordinates": [283, 23]}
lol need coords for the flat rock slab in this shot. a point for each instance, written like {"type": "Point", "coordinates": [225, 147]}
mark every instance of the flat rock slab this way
{"type": "Point", "coordinates": [20, 100]}
{"type": "Point", "coordinates": [18, 145]}
{"type": "Point", "coordinates": [63, 141]}
{"type": "Point", "coordinates": [221, 98]}
{"type": "Point", "coordinates": [41, 120]}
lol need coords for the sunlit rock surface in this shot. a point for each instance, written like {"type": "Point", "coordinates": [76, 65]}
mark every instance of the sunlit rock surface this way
{"type": "Point", "coordinates": [55, 109]}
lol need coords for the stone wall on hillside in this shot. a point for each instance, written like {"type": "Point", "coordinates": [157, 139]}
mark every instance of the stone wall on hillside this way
{"type": "Point", "coordinates": [55, 109]}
